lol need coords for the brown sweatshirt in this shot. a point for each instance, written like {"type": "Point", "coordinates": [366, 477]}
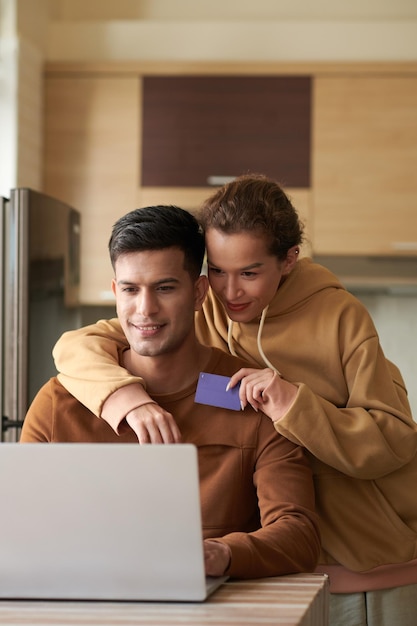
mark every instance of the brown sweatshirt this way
{"type": "Point", "coordinates": [257, 491]}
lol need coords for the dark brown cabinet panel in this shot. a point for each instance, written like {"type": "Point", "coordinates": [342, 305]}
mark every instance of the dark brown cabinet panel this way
{"type": "Point", "coordinates": [198, 127]}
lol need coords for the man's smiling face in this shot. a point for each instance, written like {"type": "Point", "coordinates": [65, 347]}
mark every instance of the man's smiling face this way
{"type": "Point", "coordinates": [156, 299]}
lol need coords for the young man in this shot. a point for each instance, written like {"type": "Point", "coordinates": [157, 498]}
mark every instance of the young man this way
{"type": "Point", "coordinates": [256, 487]}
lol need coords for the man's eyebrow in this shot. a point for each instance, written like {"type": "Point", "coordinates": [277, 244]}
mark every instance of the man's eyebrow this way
{"type": "Point", "coordinates": [162, 281]}
{"type": "Point", "coordinates": [168, 279]}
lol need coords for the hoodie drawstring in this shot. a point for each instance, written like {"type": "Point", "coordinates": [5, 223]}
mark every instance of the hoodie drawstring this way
{"type": "Point", "coordinates": [258, 341]}
{"type": "Point", "coordinates": [230, 337]}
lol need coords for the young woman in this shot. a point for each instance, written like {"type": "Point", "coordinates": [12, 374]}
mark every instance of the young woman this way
{"type": "Point", "coordinates": [320, 375]}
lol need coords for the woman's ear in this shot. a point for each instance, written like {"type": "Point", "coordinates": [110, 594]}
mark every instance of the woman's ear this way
{"type": "Point", "coordinates": [291, 260]}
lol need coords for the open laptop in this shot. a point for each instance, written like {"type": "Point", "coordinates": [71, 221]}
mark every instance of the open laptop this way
{"type": "Point", "coordinates": [101, 522]}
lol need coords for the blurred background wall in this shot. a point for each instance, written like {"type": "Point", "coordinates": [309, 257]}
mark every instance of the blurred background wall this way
{"type": "Point", "coordinates": [33, 32]}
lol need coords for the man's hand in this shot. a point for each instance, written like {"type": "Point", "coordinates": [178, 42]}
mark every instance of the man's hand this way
{"type": "Point", "coordinates": [152, 424]}
{"type": "Point", "coordinates": [216, 557]}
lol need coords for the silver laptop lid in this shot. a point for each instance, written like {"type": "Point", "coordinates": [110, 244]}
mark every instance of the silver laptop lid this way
{"type": "Point", "coordinates": [100, 521]}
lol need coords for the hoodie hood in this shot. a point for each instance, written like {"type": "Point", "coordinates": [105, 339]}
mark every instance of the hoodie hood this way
{"type": "Point", "coordinates": [304, 283]}
{"type": "Point", "coordinates": [307, 279]}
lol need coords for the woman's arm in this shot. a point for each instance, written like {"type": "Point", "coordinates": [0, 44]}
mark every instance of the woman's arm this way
{"type": "Point", "coordinates": [88, 360]}
{"type": "Point", "coordinates": [372, 435]}
{"type": "Point", "coordinates": [353, 412]}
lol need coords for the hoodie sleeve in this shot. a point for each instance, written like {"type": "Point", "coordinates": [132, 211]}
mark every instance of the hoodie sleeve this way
{"type": "Point", "coordinates": [88, 362]}
{"type": "Point", "coordinates": [368, 431]}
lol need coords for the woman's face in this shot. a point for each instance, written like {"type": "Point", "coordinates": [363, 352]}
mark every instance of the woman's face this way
{"type": "Point", "coordinates": [242, 272]}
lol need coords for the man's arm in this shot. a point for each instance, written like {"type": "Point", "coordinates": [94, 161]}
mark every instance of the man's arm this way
{"type": "Point", "coordinates": [37, 425]}
{"type": "Point", "coordinates": [289, 538]}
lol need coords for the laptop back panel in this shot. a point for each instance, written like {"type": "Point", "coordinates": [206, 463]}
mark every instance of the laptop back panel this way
{"type": "Point", "coordinates": [100, 521]}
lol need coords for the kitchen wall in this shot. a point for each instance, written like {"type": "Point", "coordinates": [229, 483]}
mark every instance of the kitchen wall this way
{"type": "Point", "coordinates": [32, 31]}
{"type": "Point", "coordinates": [23, 38]}
{"type": "Point", "coordinates": [221, 30]}
{"type": "Point", "coordinates": [395, 318]}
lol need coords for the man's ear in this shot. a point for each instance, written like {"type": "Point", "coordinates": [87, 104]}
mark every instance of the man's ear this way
{"type": "Point", "coordinates": [200, 291]}
{"type": "Point", "coordinates": [113, 286]}
{"type": "Point", "coordinates": [291, 260]}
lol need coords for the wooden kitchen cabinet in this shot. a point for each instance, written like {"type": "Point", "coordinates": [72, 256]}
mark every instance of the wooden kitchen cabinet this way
{"type": "Point", "coordinates": [196, 128]}
{"type": "Point", "coordinates": [352, 176]}
{"type": "Point", "coordinates": [92, 137]}
{"type": "Point", "coordinates": [364, 167]}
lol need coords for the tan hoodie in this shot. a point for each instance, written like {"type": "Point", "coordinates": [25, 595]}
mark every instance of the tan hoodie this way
{"type": "Point", "coordinates": [351, 411]}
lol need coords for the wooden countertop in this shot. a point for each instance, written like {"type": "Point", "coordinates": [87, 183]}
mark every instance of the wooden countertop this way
{"type": "Point", "coordinates": [298, 599]}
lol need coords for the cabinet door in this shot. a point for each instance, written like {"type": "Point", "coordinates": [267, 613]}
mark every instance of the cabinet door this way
{"type": "Point", "coordinates": [365, 165]}
{"type": "Point", "coordinates": [196, 128]}
{"type": "Point", "coordinates": [92, 138]}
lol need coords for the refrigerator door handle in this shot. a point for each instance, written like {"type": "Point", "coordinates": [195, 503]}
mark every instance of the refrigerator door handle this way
{"type": "Point", "coordinates": [6, 424]}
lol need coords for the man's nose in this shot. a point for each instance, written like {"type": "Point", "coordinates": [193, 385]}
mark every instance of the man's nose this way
{"type": "Point", "coordinates": [147, 303]}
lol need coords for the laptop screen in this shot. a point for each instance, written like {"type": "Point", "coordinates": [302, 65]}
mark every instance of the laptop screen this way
{"type": "Point", "coordinates": [100, 521]}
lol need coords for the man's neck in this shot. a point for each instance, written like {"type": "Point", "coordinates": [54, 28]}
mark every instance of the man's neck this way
{"type": "Point", "coordinates": [168, 373]}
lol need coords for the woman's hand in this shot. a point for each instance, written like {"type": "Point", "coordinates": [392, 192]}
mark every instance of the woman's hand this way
{"type": "Point", "coordinates": [264, 390]}
{"type": "Point", "coordinates": [152, 424]}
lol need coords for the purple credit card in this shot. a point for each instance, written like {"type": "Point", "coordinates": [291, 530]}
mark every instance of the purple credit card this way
{"type": "Point", "coordinates": [211, 389]}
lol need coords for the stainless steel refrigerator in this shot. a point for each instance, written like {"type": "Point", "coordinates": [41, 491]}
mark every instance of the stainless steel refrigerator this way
{"type": "Point", "coordinates": [39, 284]}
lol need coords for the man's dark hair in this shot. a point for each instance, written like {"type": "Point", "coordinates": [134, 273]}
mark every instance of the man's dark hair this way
{"type": "Point", "coordinates": [157, 228]}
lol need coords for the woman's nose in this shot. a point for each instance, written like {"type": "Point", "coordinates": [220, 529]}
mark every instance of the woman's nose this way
{"type": "Point", "coordinates": [232, 289]}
